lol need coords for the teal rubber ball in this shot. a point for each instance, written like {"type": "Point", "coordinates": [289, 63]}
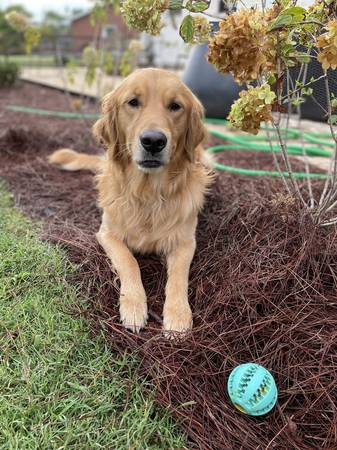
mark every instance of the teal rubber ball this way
{"type": "Point", "coordinates": [252, 389]}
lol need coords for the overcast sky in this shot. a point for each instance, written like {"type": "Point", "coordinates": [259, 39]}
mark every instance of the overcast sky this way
{"type": "Point", "coordinates": [38, 7]}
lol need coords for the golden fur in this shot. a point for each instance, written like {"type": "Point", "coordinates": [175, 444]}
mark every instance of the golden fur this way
{"type": "Point", "coordinates": [154, 211]}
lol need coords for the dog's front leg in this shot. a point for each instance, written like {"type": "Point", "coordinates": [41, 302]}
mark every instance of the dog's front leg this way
{"type": "Point", "coordinates": [177, 312]}
{"type": "Point", "coordinates": [133, 306]}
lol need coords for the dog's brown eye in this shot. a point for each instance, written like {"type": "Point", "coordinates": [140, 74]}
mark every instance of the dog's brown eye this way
{"type": "Point", "coordinates": [134, 103]}
{"type": "Point", "coordinates": [174, 106]}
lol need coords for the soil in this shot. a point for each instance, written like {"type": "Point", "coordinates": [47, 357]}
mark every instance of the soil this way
{"type": "Point", "coordinates": [262, 287]}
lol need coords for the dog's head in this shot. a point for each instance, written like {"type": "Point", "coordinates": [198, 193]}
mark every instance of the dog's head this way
{"type": "Point", "coordinates": [151, 120]}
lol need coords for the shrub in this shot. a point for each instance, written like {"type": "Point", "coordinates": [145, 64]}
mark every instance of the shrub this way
{"type": "Point", "coordinates": [9, 73]}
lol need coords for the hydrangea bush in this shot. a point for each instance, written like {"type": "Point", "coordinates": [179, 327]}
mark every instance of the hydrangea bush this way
{"type": "Point", "coordinates": [259, 46]}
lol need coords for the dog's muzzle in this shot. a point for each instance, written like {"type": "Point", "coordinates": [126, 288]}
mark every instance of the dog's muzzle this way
{"type": "Point", "coordinates": [152, 149]}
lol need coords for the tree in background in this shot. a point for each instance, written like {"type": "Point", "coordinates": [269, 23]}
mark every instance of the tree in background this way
{"type": "Point", "coordinates": [19, 20]}
{"type": "Point", "coordinates": [53, 25]}
{"type": "Point", "coordinates": [10, 38]}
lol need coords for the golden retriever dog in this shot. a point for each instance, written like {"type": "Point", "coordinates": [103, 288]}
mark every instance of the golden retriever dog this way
{"type": "Point", "coordinates": [151, 187]}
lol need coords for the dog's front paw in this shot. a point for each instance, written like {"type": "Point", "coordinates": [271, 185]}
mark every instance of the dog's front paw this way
{"type": "Point", "coordinates": [177, 319]}
{"type": "Point", "coordinates": [133, 311]}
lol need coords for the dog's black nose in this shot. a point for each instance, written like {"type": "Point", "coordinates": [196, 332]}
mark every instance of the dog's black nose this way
{"type": "Point", "coordinates": [153, 141]}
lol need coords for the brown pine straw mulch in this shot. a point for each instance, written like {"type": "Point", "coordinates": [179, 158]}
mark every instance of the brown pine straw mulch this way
{"type": "Point", "coordinates": [262, 289]}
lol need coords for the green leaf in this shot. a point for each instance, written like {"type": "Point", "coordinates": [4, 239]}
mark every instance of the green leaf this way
{"type": "Point", "coordinates": [303, 57]}
{"type": "Point", "coordinates": [176, 4]}
{"type": "Point", "coordinates": [296, 11]}
{"type": "Point", "coordinates": [298, 101]}
{"type": "Point", "coordinates": [333, 119]}
{"type": "Point", "coordinates": [307, 91]}
{"type": "Point", "coordinates": [289, 16]}
{"type": "Point", "coordinates": [32, 37]}
{"type": "Point", "coordinates": [271, 79]}
{"type": "Point", "coordinates": [187, 29]}
{"type": "Point", "coordinates": [287, 50]}
{"type": "Point", "coordinates": [196, 7]}
{"type": "Point", "coordinates": [280, 22]}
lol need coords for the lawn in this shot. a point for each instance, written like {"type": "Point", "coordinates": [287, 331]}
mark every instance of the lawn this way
{"type": "Point", "coordinates": [31, 60]}
{"type": "Point", "coordinates": [60, 387]}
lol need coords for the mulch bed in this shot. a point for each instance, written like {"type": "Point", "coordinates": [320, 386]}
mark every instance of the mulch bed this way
{"type": "Point", "coordinates": [262, 289]}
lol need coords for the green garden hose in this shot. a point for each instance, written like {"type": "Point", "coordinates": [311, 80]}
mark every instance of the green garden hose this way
{"type": "Point", "coordinates": [45, 112]}
{"type": "Point", "coordinates": [236, 142]}
{"type": "Point", "coordinates": [252, 143]}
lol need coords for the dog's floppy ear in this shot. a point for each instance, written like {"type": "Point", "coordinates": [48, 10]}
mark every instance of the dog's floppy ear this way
{"type": "Point", "coordinates": [106, 129]}
{"type": "Point", "coordinates": [196, 131]}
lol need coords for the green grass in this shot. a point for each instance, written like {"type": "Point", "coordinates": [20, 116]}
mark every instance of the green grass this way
{"type": "Point", "coordinates": [32, 60]}
{"type": "Point", "coordinates": [60, 388]}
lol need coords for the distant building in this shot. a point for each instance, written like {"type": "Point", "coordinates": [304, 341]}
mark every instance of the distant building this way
{"type": "Point", "coordinates": [115, 32]}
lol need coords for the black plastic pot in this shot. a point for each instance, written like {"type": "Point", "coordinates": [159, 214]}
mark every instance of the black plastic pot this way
{"type": "Point", "coordinates": [215, 91]}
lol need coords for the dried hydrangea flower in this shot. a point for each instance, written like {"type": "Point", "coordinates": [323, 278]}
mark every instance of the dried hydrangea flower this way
{"type": "Point", "coordinates": [270, 40]}
{"type": "Point", "coordinates": [247, 48]}
{"type": "Point", "coordinates": [17, 21]}
{"type": "Point", "coordinates": [327, 43]}
{"type": "Point", "coordinates": [253, 107]}
{"type": "Point", "coordinates": [144, 15]}
{"type": "Point", "coordinates": [238, 45]}
{"type": "Point", "coordinates": [280, 49]}
{"type": "Point", "coordinates": [202, 29]}
{"type": "Point", "coordinates": [322, 10]}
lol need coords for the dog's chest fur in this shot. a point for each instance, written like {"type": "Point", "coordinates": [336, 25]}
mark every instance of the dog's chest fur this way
{"type": "Point", "coordinates": [152, 213]}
